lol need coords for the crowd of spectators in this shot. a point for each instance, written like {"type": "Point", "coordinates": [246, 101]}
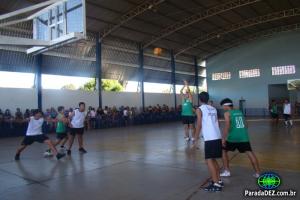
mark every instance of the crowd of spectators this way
{"type": "Point", "coordinates": [15, 124]}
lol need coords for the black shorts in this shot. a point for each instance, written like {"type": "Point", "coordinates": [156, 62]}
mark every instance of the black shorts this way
{"type": "Point", "coordinates": [242, 147]}
{"type": "Point", "coordinates": [68, 129]}
{"type": "Point", "coordinates": [286, 117]}
{"type": "Point", "coordinates": [274, 115]}
{"type": "Point", "coordinates": [188, 119]}
{"type": "Point", "coordinates": [213, 149]}
{"type": "Point", "coordinates": [61, 136]}
{"type": "Point", "coordinates": [78, 131]}
{"type": "Point", "coordinates": [28, 140]}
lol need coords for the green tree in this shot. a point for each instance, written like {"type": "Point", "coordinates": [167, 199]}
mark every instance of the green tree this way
{"type": "Point", "coordinates": [107, 85]}
{"type": "Point", "coordinates": [112, 85]}
{"type": "Point", "coordinates": [69, 87]}
{"type": "Point", "coordinates": [89, 86]}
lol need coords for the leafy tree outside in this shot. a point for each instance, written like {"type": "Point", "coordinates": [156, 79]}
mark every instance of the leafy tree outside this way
{"type": "Point", "coordinates": [107, 85]}
{"type": "Point", "coordinates": [69, 87]}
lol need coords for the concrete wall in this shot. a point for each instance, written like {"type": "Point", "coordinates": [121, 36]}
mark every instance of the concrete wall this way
{"type": "Point", "coordinates": [26, 98]}
{"type": "Point", "coordinates": [14, 98]}
{"type": "Point", "coordinates": [264, 53]}
{"type": "Point", "coordinates": [68, 98]}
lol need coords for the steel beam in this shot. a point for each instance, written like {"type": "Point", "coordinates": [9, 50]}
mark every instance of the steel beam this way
{"type": "Point", "coordinates": [28, 9]}
{"type": "Point", "coordinates": [99, 71]}
{"type": "Point", "coordinates": [196, 78]}
{"type": "Point", "coordinates": [173, 78]}
{"type": "Point", "coordinates": [265, 33]}
{"type": "Point", "coordinates": [141, 75]}
{"type": "Point", "coordinates": [38, 59]}
{"type": "Point", "coordinates": [241, 25]}
{"type": "Point", "coordinates": [145, 6]}
{"type": "Point", "coordinates": [198, 17]}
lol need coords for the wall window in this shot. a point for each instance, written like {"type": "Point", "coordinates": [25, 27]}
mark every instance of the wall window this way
{"type": "Point", "coordinates": [131, 86]}
{"type": "Point", "coordinates": [16, 80]}
{"type": "Point", "coordinates": [282, 70]}
{"type": "Point", "coordinates": [249, 73]}
{"type": "Point", "coordinates": [157, 88]}
{"type": "Point", "coordinates": [63, 82]}
{"type": "Point", "coordinates": [221, 76]}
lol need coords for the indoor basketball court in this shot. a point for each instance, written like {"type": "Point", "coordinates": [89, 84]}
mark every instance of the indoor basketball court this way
{"type": "Point", "coordinates": [158, 99]}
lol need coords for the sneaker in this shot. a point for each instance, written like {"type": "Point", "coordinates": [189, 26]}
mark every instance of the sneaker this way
{"type": "Point", "coordinates": [82, 150]}
{"type": "Point", "coordinates": [69, 152]}
{"type": "Point", "coordinates": [48, 153]}
{"type": "Point", "coordinates": [225, 173]}
{"type": "Point", "coordinates": [220, 182]}
{"type": "Point", "coordinates": [17, 157]}
{"type": "Point", "coordinates": [286, 123]}
{"type": "Point", "coordinates": [60, 155]}
{"type": "Point", "coordinates": [213, 187]}
{"type": "Point", "coordinates": [62, 149]}
{"type": "Point", "coordinates": [256, 175]}
{"type": "Point", "coordinates": [193, 140]}
{"type": "Point", "coordinates": [187, 139]}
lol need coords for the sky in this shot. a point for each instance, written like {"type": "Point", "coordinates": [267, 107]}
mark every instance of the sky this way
{"type": "Point", "coordinates": [26, 80]}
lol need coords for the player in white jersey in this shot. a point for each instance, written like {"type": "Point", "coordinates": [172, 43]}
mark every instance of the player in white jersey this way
{"type": "Point", "coordinates": [77, 128]}
{"type": "Point", "coordinates": [34, 134]}
{"type": "Point", "coordinates": [208, 125]}
{"type": "Point", "coordinates": [287, 112]}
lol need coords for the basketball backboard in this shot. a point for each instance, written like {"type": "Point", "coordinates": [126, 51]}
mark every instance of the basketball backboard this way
{"type": "Point", "coordinates": [57, 23]}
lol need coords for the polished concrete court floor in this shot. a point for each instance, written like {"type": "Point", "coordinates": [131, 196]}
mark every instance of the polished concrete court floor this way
{"type": "Point", "coordinates": [144, 162]}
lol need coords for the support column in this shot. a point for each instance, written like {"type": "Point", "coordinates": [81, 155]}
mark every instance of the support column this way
{"type": "Point", "coordinates": [196, 78]}
{"type": "Point", "coordinates": [38, 79]}
{"type": "Point", "coordinates": [99, 70]}
{"type": "Point", "coordinates": [173, 79]}
{"type": "Point", "coordinates": [141, 75]}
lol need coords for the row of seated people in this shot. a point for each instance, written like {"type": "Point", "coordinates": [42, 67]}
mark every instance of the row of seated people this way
{"type": "Point", "coordinates": [109, 117]}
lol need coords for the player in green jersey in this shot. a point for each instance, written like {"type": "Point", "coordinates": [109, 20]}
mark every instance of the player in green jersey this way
{"type": "Point", "coordinates": [188, 113]}
{"type": "Point", "coordinates": [235, 136]}
{"type": "Point", "coordinates": [274, 111]}
{"type": "Point", "coordinates": [61, 131]}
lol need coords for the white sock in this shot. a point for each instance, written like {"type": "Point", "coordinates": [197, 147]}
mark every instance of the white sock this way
{"type": "Point", "coordinates": [291, 122]}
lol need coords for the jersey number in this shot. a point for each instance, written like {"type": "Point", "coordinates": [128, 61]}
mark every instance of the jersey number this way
{"type": "Point", "coordinates": [239, 122]}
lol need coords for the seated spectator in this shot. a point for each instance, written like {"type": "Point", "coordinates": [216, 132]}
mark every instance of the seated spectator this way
{"type": "Point", "coordinates": [92, 118]}
{"type": "Point", "coordinates": [27, 114]}
{"type": "Point", "coordinates": [106, 110]}
{"type": "Point", "coordinates": [53, 113]}
{"type": "Point", "coordinates": [18, 115]}
{"type": "Point", "coordinates": [126, 115]}
{"type": "Point", "coordinates": [102, 118]}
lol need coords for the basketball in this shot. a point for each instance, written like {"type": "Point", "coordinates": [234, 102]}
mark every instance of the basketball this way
{"type": "Point", "coordinates": [157, 51]}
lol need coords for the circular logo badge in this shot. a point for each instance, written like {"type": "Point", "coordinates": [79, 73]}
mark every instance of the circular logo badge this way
{"type": "Point", "coordinates": [269, 181]}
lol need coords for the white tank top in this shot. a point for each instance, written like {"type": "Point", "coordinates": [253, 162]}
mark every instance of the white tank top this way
{"type": "Point", "coordinates": [78, 119]}
{"type": "Point", "coordinates": [287, 108]}
{"type": "Point", "coordinates": [35, 127]}
{"type": "Point", "coordinates": [210, 123]}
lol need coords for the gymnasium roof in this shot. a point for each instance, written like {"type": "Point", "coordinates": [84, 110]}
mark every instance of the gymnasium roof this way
{"type": "Point", "coordinates": [190, 28]}
{"type": "Point", "coordinates": [148, 24]}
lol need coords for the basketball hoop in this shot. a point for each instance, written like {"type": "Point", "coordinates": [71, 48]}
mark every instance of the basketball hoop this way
{"type": "Point", "coordinates": [54, 24]}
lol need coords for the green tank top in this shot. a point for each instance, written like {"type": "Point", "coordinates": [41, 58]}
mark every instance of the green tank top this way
{"type": "Point", "coordinates": [60, 127]}
{"type": "Point", "coordinates": [238, 131]}
{"type": "Point", "coordinates": [274, 109]}
{"type": "Point", "coordinates": [187, 108]}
